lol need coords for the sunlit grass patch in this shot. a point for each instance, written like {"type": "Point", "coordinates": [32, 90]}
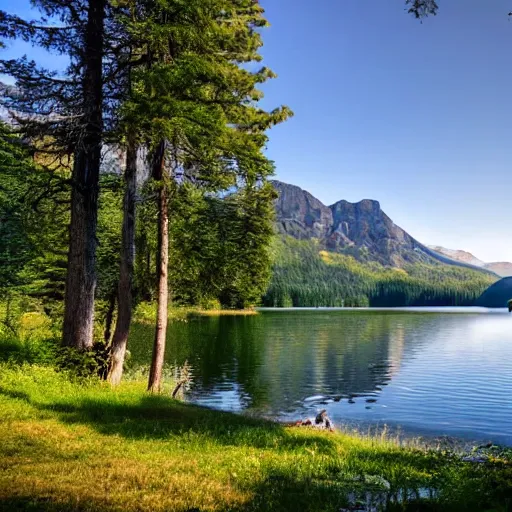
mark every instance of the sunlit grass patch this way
{"type": "Point", "coordinates": [223, 312]}
{"type": "Point", "coordinates": [146, 313]}
{"type": "Point", "coordinates": [85, 446]}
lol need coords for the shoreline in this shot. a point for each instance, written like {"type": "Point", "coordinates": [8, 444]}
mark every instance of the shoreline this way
{"type": "Point", "coordinates": [224, 312]}
{"type": "Point", "coordinates": [402, 309]}
{"type": "Point", "coordinates": [399, 434]}
{"type": "Point", "coordinates": [145, 313]}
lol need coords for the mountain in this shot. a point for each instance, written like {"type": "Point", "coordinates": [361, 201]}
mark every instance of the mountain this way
{"type": "Point", "coordinates": [497, 295]}
{"type": "Point", "coordinates": [502, 268]}
{"type": "Point", "coordinates": [458, 255]}
{"type": "Point", "coordinates": [359, 229]}
{"type": "Point", "coordinates": [353, 254]}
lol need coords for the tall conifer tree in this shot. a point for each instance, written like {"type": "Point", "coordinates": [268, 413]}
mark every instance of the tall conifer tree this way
{"type": "Point", "coordinates": [63, 115]}
{"type": "Point", "coordinates": [197, 107]}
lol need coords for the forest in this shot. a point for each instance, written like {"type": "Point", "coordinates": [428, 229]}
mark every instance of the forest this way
{"type": "Point", "coordinates": [213, 265]}
{"type": "Point", "coordinates": [138, 172]}
{"type": "Point", "coordinates": [306, 275]}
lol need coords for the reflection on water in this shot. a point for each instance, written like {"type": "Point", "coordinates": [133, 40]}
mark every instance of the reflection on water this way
{"type": "Point", "coordinates": [433, 373]}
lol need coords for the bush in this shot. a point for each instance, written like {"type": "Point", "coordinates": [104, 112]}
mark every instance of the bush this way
{"type": "Point", "coordinates": [210, 304]}
{"type": "Point", "coordinates": [32, 351]}
{"type": "Point", "coordinates": [83, 364]}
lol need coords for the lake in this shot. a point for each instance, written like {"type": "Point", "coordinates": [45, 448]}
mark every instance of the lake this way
{"type": "Point", "coordinates": [426, 371]}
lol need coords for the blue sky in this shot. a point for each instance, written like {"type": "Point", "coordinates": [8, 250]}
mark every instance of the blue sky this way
{"type": "Point", "coordinates": [415, 115]}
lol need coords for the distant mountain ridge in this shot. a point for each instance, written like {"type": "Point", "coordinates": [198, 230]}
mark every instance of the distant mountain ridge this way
{"type": "Point", "coordinates": [361, 229]}
{"type": "Point", "coordinates": [502, 268]}
{"type": "Point", "coordinates": [458, 255]}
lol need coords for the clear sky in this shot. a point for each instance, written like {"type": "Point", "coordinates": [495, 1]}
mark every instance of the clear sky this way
{"type": "Point", "coordinates": [415, 115]}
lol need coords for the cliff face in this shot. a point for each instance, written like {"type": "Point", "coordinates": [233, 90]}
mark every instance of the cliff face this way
{"type": "Point", "coordinates": [301, 215]}
{"type": "Point", "coordinates": [365, 226]}
{"type": "Point", "coordinates": [361, 229]}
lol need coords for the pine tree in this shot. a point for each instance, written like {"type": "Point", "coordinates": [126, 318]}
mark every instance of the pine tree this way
{"type": "Point", "coordinates": [127, 12]}
{"type": "Point", "coordinates": [81, 276]}
{"type": "Point", "coordinates": [246, 265]}
{"type": "Point", "coordinates": [64, 116]}
{"type": "Point", "coordinates": [220, 246]}
{"type": "Point", "coordinates": [127, 260]}
{"type": "Point", "coordinates": [197, 107]}
{"type": "Point", "coordinates": [33, 223]}
{"type": "Point", "coordinates": [16, 248]}
{"type": "Point", "coordinates": [422, 8]}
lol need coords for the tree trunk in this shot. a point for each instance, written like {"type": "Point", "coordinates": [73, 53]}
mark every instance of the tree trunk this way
{"type": "Point", "coordinates": [109, 317]}
{"type": "Point", "coordinates": [157, 363]}
{"type": "Point", "coordinates": [124, 299]}
{"type": "Point", "coordinates": [81, 274]}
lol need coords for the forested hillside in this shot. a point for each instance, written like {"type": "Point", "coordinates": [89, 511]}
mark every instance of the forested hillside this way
{"type": "Point", "coordinates": [306, 275]}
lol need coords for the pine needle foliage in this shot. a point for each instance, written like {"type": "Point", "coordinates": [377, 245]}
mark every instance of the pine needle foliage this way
{"type": "Point", "coordinates": [306, 275]}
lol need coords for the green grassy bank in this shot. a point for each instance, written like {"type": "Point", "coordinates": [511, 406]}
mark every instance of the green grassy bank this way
{"type": "Point", "coordinates": [146, 313]}
{"type": "Point", "coordinates": [69, 443]}
{"type": "Point", "coordinates": [79, 445]}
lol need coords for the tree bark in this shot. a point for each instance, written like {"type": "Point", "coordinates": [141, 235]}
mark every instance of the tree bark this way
{"type": "Point", "coordinates": [157, 363]}
{"type": "Point", "coordinates": [81, 274]}
{"type": "Point", "coordinates": [109, 317]}
{"type": "Point", "coordinates": [125, 299]}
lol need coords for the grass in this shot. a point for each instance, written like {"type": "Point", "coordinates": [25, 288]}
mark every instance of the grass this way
{"type": "Point", "coordinates": [80, 445]}
{"type": "Point", "coordinates": [145, 313]}
{"type": "Point", "coordinates": [224, 312]}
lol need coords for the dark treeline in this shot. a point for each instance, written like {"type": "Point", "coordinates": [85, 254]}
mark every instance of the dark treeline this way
{"type": "Point", "coordinates": [304, 275]}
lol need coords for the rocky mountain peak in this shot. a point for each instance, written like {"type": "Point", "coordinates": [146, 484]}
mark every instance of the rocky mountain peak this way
{"type": "Point", "coordinates": [299, 214]}
{"type": "Point", "coordinates": [369, 205]}
{"type": "Point", "coordinates": [361, 229]}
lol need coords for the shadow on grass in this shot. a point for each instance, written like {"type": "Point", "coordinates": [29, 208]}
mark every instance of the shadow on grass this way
{"type": "Point", "coordinates": [462, 487]}
{"type": "Point", "coordinates": [12, 351]}
{"type": "Point", "coordinates": [286, 492]}
{"type": "Point", "coordinates": [30, 352]}
{"type": "Point", "coordinates": [159, 417]}
{"type": "Point", "coordinates": [32, 504]}
{"type": "Point", "coordinates": [276, 493]}
{"type": "Point", "coordinates": [289, 492]}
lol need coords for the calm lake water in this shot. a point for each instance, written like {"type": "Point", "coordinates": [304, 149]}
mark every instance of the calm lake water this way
{"type": "Point", "coordinates": [429, 371]}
